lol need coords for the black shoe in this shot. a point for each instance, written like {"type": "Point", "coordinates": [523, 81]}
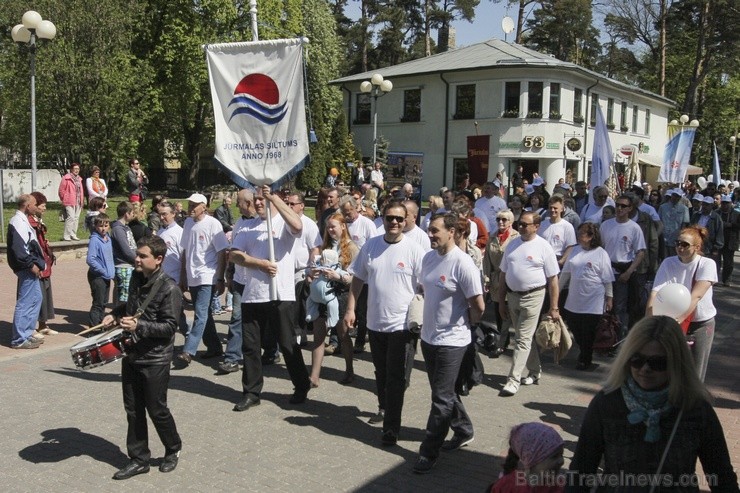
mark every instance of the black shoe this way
{"type": "Point", "coordinates": [212, 353]}
{"type": "Point", "coordinates": [299, 397]}
{"type": "Point", "coordinates": [377, 418]}
{"type": "Point", "coordinates": [424, 464]}
{"type": "Point", "coordinates": [169, 463]}
{"type": "Point", "coordinates": [270, 360]}
{"type": "Point", "coordinates": [182, 360]}
{"type": "Point", "coordinates": [497, 352]}
{"type": "Point", "coordinates": [132, 469]}
{"type": "Point", "coordinates": [389, 438]}
{"type": "Point", "coordinates": [226, 367]}
{"type": "Point", "coordinates": [358, 348]}
{"type": "Point", "coordinates": [246, 403]}
{"type": "Point", "coordinates": [457, 442]}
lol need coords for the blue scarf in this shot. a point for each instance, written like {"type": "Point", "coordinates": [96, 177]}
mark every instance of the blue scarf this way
{"type": "Point", "coordinates": [645, 406]}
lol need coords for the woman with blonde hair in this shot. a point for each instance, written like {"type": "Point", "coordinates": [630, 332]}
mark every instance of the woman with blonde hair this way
{"type": "Point", "coordinates": [698, 274]}
{"type": "Point", "coordinates": [336, 237]}
{"type": "Point", "coordinates": [653, 418]}
{"type": "Point", "coordinates": [435, 204]}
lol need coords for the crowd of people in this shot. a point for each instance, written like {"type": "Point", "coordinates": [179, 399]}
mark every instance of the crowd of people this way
{"type": "Point", "coordinates": [516, 255]}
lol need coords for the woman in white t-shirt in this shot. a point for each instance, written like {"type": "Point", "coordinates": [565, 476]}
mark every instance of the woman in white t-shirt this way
{"type": "Point", "coordinates": [589, 272]}
{"type": "Point", "coordinates": [698, 274]}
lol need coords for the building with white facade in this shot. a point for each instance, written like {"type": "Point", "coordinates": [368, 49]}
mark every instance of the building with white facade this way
{"type": "Point", "coordinates": [538, 111]}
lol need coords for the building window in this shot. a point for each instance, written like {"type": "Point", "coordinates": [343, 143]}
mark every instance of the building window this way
{"type": "Point", "coordinates": [465, 102]}
{"type": "Point", "coordinates": [647, 121]}
{"type": "Point", "coordinates": [610, 114]}
{"type": "Point", "coordinates": [555, 101]}
{"type": "Point", "coordinates": [578, 105]}
{"type": "Point", "coordinates": [635, 112]}
{"type": "Point", "coordinates": [511, 99]}
{"type": "Point", "coordinates": [534, 101]}
{"type": "Point", "coordinates": [594, 105]}
{"type": "Point", "coordinates": [411, 105]}
{"type": "Point", "coordinates": [623, 118]}
{"type": "Point", "coordinates": [363, 108]}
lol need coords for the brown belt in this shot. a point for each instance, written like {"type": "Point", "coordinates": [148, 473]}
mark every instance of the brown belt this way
{"type": "Point", "coordinates": [522, 293]}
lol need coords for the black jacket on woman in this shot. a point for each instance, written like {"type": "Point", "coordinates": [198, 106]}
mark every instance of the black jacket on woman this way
{"type": "Point", "coordinates": [607, 434]}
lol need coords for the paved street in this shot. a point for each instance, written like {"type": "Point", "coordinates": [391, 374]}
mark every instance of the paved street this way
{"type": "Point", "coordinates": [64, 429]}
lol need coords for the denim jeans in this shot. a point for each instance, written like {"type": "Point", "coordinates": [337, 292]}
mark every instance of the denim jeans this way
{"type": "Point", "coordinates": [27, 306]}
{"type": "Point", "coordinates": [443, 366]}
{"type": "Point", "coordinates": [234, 342]}
{"type": "Point", "coordinates": [203, 325]}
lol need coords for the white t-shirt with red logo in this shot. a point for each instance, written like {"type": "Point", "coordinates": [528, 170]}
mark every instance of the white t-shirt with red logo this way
{"type": "Point", "coordinates": [560, 235]}
{"type": "Point", "coordinates": [392, 272]}
{"type": "Point", "coordinates": [361, 230]}
{"type": "Point", "coordinates": [449, 281]}
{"type": "Point", "coordinates": [622, 241]}
{"type": "Point", "coordinates": [528, 264]}
{"type": "Point", "coordinates": [172, 236]}
{"type": "Point", "coordinates": [589, 270]}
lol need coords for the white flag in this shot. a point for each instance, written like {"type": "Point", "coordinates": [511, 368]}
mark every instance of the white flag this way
{"type": "Point", "coordinates": [259, 110]}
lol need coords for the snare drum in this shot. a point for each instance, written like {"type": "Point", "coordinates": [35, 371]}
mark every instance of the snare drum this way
{"type": "Point", "coordinates": [102, 349]}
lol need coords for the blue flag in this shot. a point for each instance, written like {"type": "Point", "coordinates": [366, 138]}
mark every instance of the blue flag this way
{"type": "Point", "coordinates": [716, 172]}
{"type": "Point", "coordinates": [676, 154]}
{"type": "Point", "coordinates": [601, 158]}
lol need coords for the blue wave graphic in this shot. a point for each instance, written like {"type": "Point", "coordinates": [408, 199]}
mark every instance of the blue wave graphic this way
{"type": "Point", "coordinates": [265, 114]}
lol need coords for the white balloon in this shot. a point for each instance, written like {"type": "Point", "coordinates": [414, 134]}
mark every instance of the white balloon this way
{"type": "Point", "coordinates": [710, 178]}
{"type": "Point", "coordinates": [736, 183]}
{"type": "Point", "coordinates": [702, 182]}
{"type": "Point", "coordinates": [672, 300]}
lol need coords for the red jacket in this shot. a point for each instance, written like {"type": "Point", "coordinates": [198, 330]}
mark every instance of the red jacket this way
{"type": "Point", "coordinates": [68, 190]}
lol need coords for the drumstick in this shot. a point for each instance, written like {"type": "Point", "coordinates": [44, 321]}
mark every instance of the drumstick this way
{"type": "Point", "coordinates": [96, 327]}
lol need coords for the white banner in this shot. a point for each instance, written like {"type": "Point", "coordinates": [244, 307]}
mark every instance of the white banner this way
{"type": "Point", "coordinates": [259, 110]}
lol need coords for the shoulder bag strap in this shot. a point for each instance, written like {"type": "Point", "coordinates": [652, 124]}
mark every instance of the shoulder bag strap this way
{"type": "Point", "coordinates": [665, 451]}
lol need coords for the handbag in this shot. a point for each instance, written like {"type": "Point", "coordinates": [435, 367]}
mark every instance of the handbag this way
{"type": "Point", "coordinates": [553, 334]}
{"type": "Point", "coordinates": [607, 331]}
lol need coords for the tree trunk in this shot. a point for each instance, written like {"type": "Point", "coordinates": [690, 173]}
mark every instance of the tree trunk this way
{"type": "Point", "coordinates": [661, 77]}
{"type": "Point", "coordinates": [193, 134]}
{"type": "Point", "coordinates": [364, 21]}
{"type": "Point", "coordinates": [520, 21]}
{"type": "Point", "coordinates": [701, 63]}
{"type": "Point", "coordinates": [427, 30]}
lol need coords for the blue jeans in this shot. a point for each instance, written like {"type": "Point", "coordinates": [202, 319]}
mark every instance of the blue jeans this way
{"type": "Point", "coordinates": [234, 342]}
{"type": "Point", "coordinates": [443, 366]}
{"type": "Point", "coordinates": [27, 306]}
{"type": "Point", "coordinates": [203, 325]}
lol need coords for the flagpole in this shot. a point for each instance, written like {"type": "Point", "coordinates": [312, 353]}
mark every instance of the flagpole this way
{"type": "Point", "coordinates": [270, 243]}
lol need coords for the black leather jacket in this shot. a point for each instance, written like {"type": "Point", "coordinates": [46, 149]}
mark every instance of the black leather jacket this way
{"type": "Point", "coordinates": [155, 332]}
{"type": "Point", "coordinates": [607, 434]}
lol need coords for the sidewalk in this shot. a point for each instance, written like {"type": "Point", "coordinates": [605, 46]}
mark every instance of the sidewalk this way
{"type": "Point", "coordinates": [65, 429]}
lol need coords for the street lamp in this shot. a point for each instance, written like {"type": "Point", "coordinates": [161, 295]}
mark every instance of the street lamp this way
{"type": "Point", "coordinates": [33, 27]}
{"type": "Point", "coordinates": [376, 87]}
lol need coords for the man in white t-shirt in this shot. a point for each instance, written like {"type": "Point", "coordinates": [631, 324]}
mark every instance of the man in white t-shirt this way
{"type": "Point", "coordinates": [260, 312]}
{"type": "Point", "coordinates": [376, 177]}
{"type": "Point", "coordinates": [625, 243]}
{"type": "Point", "coordinates": [203, 263]}
{"type": "Point", "coordinates": [491, 202]}
{"type": "Point", "coordinates": [591, 212]}
{"type": "Point", "coordinates": [391, 267]}
{"type": "Point", "coordinates": [171, 233]}
{"type": "Point", "coordinates": [528, 267]}
{"type": "Point", "coordinates": [235, 280]}
{"type": "Point", "coordinates": [453, 300]}
{"type": "Point", "coordinates": [558, 232]}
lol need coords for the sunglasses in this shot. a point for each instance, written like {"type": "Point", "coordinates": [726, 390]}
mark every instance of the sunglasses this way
{"type": "Point", "coordinates": [397, 219]}
{"type": "Point", "coordinates": [525, 224]}
{"type": "Point", "coordinates": [682, 244]}
{"type": "Point", "coordinates": [502, 220]}
{"type": "Point", "coordinates": [655, 363]}
{"type": "Point", "coordinates": [622, 206]}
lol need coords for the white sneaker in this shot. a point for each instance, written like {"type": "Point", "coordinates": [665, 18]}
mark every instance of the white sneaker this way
{"type": "Point", "coordinates": [509, 389]}
{"type": "Point", "coordinates": [37, 335]}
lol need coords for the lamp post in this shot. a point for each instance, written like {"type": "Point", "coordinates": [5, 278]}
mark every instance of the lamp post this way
{"type": "Point", "coordinates": [33, 28]}
{"type": "Point", "coordinates": [376, 87]}
{"type": "Point", "coordinates": [735, 159]}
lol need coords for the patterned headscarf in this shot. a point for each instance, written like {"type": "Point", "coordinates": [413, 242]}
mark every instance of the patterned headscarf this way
{"type": "Point", "coordinates": [534, 442]}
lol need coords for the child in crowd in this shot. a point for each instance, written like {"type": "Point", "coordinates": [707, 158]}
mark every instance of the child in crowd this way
{"type": "Point", "coordinates": [322, 290]}
{"type": "Point", "coordinates": [534, 460]}
{"type": "Point", "coordinates": [102, 267]}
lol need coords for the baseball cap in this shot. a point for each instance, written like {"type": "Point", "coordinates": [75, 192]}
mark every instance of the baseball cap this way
{"type": "Point", "coordinates": [697, 197]}
{"type": "Point", "coordinates": [708, 200]}
{"type": "Point", "coordinates": [529, 189]}
{"type": "Point", "coordinates": [564, 186]}
{"type": "Point", "coordinates": [726, 198]}
{"type": "Point", "coordinates": [198, 198]}
{"type": "Point", "coordinates": [538, 181]}
{"type": "Point", "coordinates": [676, 191]}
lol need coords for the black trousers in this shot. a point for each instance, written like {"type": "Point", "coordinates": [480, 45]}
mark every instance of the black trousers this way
{"type": "Point", "coordinates": [583, 326]}
{"type": "Point", "coordinates": [276, 318]}
{"type": "Point", "coordinates": [99, 289]}
{"type": "Point", "coordinates": [145, 391]}
{"type": "Point", "coordinates": [361, 314]}
{"type": "Point", "coordinates": [727, 263]}
{"type": "Point", "coordinates": [447, 411]}
{"type": "Point", "coordinates": [389, 351]}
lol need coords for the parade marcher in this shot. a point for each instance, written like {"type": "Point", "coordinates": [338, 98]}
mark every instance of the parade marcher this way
{"type": "Point", "coordinates": [95, 185]}
{"type": "Point", "coordinates": [47, 304]}
{"type": "Point", "coordinates": [259, 311]}
{"type": "Point", "coordinates": [731, 222]}
{"type": "Point", "coordinates": [528, 268]}
{"type": "Point", "coordinates": [558, 232]}
{"type": "Point", "coordinates": [223, 214]}
{"type": "Point", "coordinates": [150, 317]}
{"type": "Point", "coordinates": [171, 232]}
{"type": "Point", "coordinates": [708, 218]}
{"type": "Point", "coordinates": [101, 267]}
{"type": "Point", "coordinates": [27, 261]}
{"type": "Point", "coordinates": [675, 216]}
{"type": "Point", "coordinates": [72, 197]}
{"type": "Point", "coordinates": [391, 267]}
{"type": "Point", "coordinates": [591, 212]}
{"type": "Point", "coordinates": [453, 301]}
{"type": "Point", "coordinates": [491, 202]}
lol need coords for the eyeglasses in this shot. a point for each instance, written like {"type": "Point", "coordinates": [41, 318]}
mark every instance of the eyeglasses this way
{"type": "Point", "coordinates": [622, 206]}
{"type": "Point", "coordinates": [502, 220]}
{"type": "Point", "coordinates": [295, 203]}
{"type": "Point", "coordinates": [683, 244]}
{"type": "Point", "coordinates": [655, 363]}
{"type": "Point", "coordinates": [525, 224]}
{"type": "Point", "coordinates": [398, 219]}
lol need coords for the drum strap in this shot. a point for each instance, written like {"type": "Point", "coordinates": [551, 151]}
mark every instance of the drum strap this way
{"type": "Point", "coordinates": [155, 287]}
